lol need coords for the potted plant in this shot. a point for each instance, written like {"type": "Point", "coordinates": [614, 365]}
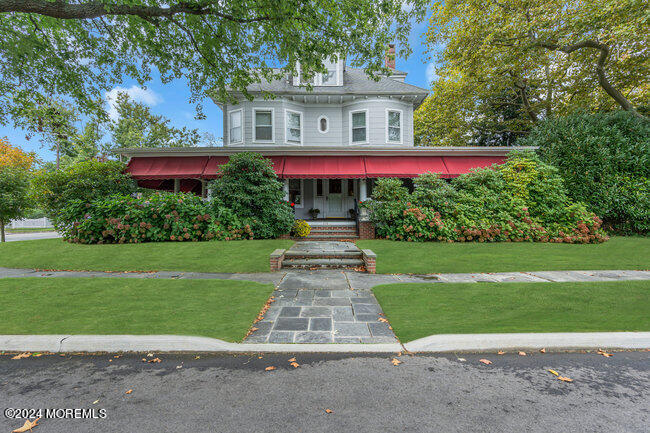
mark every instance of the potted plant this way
{"type": "Point", "coordinates": [314, 213]}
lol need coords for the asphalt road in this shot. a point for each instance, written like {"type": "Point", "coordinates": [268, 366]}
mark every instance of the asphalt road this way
{"type": "Point", "coordinates": [228, 393]}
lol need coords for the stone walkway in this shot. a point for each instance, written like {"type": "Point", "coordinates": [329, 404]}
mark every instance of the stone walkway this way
{"type": "Point", "coordinates": [322, 307]}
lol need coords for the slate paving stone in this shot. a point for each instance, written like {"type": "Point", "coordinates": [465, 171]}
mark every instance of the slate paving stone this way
{"type": "Point", "coordinates": [322, 294]}
{"type": "Point", "coordinates": [366, 309]}
{"type": "Point", "coordinates": [344, 340]}
{"type": "Point", "coordinates": [313, 337]}
{"type": "Point", "coordinates": [380, 329]}
{"type": "Point", "coordinates": [291, 324]}
{"type": "Point", "coordinates": [320, 324]}
{"type": "Point", "coordinates": [342, 293]}
{"type": "Point", "coordinates": [290, 312]}
{"type": "Point", "coordinates": [271, 314]}
{"type": "Point", "coordinates": [342, 314]}
{"type": "Point", "coordinates": [281, 337]}
{"type": "Point", "coordinates": [332, 302]}
{"type": "Point", "coordinates": [366, 317]}
{"type": "Point", "coordinates": [364, 300]}
{"type": "Point", "coordinates": [263, 328]}
{"type": "Point", "coordinates": [344, 329]}
{"type": "Point", "coordinates": [316, 312]}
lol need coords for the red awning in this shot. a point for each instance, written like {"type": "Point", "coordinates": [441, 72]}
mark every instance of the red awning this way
{"type": "Point", "coordinates": [403, 166]}
{"type": "Point", "coordinates": [212, 167]}
{"type": "Point", "coordinates": [323, 167]}
{"type": "Point", "coordinates": [167, 167]}
{"type": "Point", "coordinates": [457, 165]}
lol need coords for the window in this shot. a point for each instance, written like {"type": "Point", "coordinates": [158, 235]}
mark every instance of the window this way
{"type": "Point", "coordinates": [235, 121]}
{"type": "Point", "coordinates": [295, 192]}
{"type": "Point", "coordinates": [323, 124]}
{"type": "Point", "coordinates": [329, 78]}
{"type": "Point", "coordinates": [263, 124]}
{"type": "Point", "coordinates": [350, 188]}
{"type": "Point", "coordinates": [359, 126]}
{"type": "Point", "coordinates": [393, 126]}
{"type": "Point", "coordinates": [293, 127]}
{"type": "Point", "coordinates": [319, 187]}
{"type": "Point", "coordinates": [335, 186]}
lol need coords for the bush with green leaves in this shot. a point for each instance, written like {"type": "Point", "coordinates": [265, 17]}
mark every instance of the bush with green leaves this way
{"type": "Point", "coordinates": [521, 200]}
{"type": "Point", "coordinates": [604, 160]}
{"type": "Point", "coordinates": [84, 181]}
{"type": "Point", "coordinates": [14, 195]}
{"type": "Point", "coordinates": [156, 218]}
{"type": "Point", "coordinates": [249, 187]}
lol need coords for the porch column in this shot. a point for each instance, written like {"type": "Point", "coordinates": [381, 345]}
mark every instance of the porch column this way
{"type": "Point", "coordinates": [204, 190]}
{"type": "Point", "coordinates": [363, 190]}
{"type": "Point", "coordinates": [177, 185]}
{"type": "Point", "coordinates": [285, 188]}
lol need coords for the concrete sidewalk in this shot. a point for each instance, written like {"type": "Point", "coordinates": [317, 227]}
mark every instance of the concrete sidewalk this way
{"type": "Point", "coordinates": [431, 344]}
{"type": "Point", "coordinates": [31, 236]}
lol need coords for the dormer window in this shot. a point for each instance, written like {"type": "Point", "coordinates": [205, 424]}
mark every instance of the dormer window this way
{"type": "Point", "coordinates": [332, 77]}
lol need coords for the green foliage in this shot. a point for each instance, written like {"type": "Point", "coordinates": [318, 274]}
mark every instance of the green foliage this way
{"type": "Point", "coordinates": [157, 218]}
{"type": "Point", "coordinates": [301, 228]}
{"type": "Point", "coordinates": [521, 200]}
{"type": "Point", "coordinates": [85, 181]}
{"type": "Point", "coordinates": [504, 64]}
{"type": "Point", "coordinates": [218, 47]}
{"type": "Point", "coordinates": [14, 195]}
{"type": "Point", "coordinates": [604, 160]}
{"type": "Point", "coordinates": [250, 188]}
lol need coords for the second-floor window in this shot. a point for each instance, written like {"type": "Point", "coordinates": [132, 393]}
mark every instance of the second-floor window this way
{"type": "Point", "coordinates": [393, 126]}
{"type": "Point", "coordinates": [263, 125]}
{"type": "Point", "coordinates": [293, 121]}
{"type": "Point", "coordinates": [235, 131]}
{"type": "Point", "coordinates": [359, 126]}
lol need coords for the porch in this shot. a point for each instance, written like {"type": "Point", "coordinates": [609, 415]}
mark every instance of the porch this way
{"type": "Point", "coordinates": [326, 202]}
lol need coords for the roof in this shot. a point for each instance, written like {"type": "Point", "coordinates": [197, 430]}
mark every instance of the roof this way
{"type": "Point", "coordinates": [355, 82]}
{"type": "Point", "coordinates": [324, 150]}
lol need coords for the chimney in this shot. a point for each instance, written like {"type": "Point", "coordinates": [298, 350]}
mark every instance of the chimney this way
{"type": "Point", "coordinates": [390, 56]}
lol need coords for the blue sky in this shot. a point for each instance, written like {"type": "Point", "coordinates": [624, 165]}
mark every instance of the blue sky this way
{"type": "Point", "coordinates": [171, 100]}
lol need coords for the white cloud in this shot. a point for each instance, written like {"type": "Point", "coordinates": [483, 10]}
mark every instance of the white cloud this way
{"type": "Point", "coordinates": [431, 73]}
{"type": "Point", "coordinates": [137, 94]}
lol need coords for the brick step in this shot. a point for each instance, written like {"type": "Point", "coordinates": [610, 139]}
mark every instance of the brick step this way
{"type": "Point", "coordinates": [330, 237]}
{"type": "Point", "coordinates": [323, 254]}
{"type": "Point", "coordinates": [322, 263]}
{"type": "Point", "coordinates": [332, 228]}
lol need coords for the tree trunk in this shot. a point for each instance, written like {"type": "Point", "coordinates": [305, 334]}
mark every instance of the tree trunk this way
{"type": "Point", "coordinates": [2, 231]}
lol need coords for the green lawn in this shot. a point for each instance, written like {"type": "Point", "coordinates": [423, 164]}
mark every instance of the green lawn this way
{"type": "Point", "coordinates": [212, 308]}
{"type": "Point", "coordinates": [233, 256]}
{"type": "Point", "coordinates": [30, 230]}
{"type": "Point", "coordinates": [420, 310]}
{"type": "Point", "coordinates": [435, 257]}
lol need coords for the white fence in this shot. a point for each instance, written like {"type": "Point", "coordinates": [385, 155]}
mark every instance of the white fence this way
{"type": "Point", "coordinates": [35, 223]}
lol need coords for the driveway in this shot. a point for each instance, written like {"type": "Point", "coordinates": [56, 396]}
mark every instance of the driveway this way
{"type": "Point", "coordinates": [30, 236]}
{"type": "Point", "coordinates": [229, 393]}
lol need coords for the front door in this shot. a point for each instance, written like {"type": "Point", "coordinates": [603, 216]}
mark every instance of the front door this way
{"type": "Point", "coordinates": [334, 200]}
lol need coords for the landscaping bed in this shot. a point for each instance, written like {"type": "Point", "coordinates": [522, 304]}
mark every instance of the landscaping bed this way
{"type": "Point", "coordinates": [221, 309]}
{"type": "Point", "coordinates": [419, 310]}
{"type": "Point", "coordinates": [214, 256]}
{"type": "Point", "coordinates": [441, 257]}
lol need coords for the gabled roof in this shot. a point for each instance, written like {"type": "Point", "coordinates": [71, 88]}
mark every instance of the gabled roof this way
{"type": "Point", "coordinates": [355, 82]}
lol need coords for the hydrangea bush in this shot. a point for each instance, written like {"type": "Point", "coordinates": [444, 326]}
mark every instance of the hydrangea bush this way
{"type": "Point", "coordinates": [522, 200]}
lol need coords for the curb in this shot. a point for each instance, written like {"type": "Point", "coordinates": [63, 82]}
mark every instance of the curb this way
{"type": "Point", "coordinates": [532, 341]}
{"type": "Point", "coordinates": [431, 344]}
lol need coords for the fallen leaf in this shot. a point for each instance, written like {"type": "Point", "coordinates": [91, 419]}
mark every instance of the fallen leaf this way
{"type": "Point", "coordinates": [565, 379]}
{"type": "Point", "coordinates": [295, 364]}
{"type": "Point", "coordinates": [117, 356]}
{"type": "Point", "coordinates": [197, 357]}
{"type": "Point", "coordinates": [542, 350]}
{"type": "Point", "coordinates": [399, 353]}
{"type": "Point", "coordinates": [462, 359]}
{"type": "Point", "coordinates": [149, 355]}
{"type": "Point", "coordinates": [395, 361]}
{"type": "Point", "coordinates": [96, 401]}
{"type": "Point", "coordinates": [36, 355]}
{"type": "Point", "coordinates": [22, 355]}
{"type": "Point", "coordinates": [129, 391]}
{"type": "Point", "coordinates": [179, 366]}
{"type": "Point", "coordinates": [144, 359]}
{"type": "Point", "coordinates": [292, 360]}
{"type": "Point", "coordinates": [382, 319]}
{"type": "Point", "coordinates": [29, 425]}
{"type": "Point", "coordinates": [501, 352]}
{"type": "Point", "coordinates": [485, 361]}
{"type": "Point", "coordinates": [329, 411]}
{"type": "Point", "coordinates": [554, 372]}
{"type": "Point", "coordinates": [605, 354]}
{"type": "Point", "coordinates": [155, 360]}
{"type": "Point", "coordinates": [269, 368]}
{"type": "Point", "coordinates": [253, 329]}
{"type": "Point", "coordinates": [110, 360]}
{"type": "Point", "coordinates": [522, 353]}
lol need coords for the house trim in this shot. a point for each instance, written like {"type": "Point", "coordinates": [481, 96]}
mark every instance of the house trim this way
{"type": "Point", "coordinates": [327, 129]}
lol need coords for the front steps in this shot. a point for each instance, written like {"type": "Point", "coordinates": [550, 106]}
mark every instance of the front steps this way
{"type": "Point", "coordinates": [332, 231]}
{"type": "Point", "coordinates": [315, 255]}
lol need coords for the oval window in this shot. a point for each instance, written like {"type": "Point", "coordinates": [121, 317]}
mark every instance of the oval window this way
{"type": "Point", "coordinates": [322, 124]}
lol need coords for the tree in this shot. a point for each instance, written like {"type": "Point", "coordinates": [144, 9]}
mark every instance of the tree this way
{"type": "Point", "coordinates": [558, 56]}
{"type": "Point", "coordinates": [79, 49]}
{"type": "Point", "coordinates": [14, 193]}
{"type": "Point", "coordinates": [14, 156]}
{"type": "Point", "coordinates": [136, 126]}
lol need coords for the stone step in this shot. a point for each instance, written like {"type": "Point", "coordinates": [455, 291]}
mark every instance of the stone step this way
{"type": "Point", "coordinates": [322, 263]}
{"type": "Point", "coordinates": [323, 254]}
{"type": "Point", "coordinates": [331, 237]}
{"type": "Point", "coordinates": [331, 228]}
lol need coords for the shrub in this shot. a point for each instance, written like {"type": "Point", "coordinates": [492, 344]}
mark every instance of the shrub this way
{"type": "Point", "coordinates": [250, 188]}
{"type": "Point", "coordinates": [521, 200]}
{"type": "Point", "coordinates": [604, 160]}
{"type": "Point", "coordinates": [301, 228]}
{"type": "Point", "coordinates": [84, 181]}
{"type": "Point", "coordinates": [14, 187]}
{"type": "Point", "coordinates": [159, 217]}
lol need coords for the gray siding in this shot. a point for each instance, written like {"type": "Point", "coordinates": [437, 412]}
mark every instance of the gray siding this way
{"type": "Point", "coordinates": [338, 117]}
